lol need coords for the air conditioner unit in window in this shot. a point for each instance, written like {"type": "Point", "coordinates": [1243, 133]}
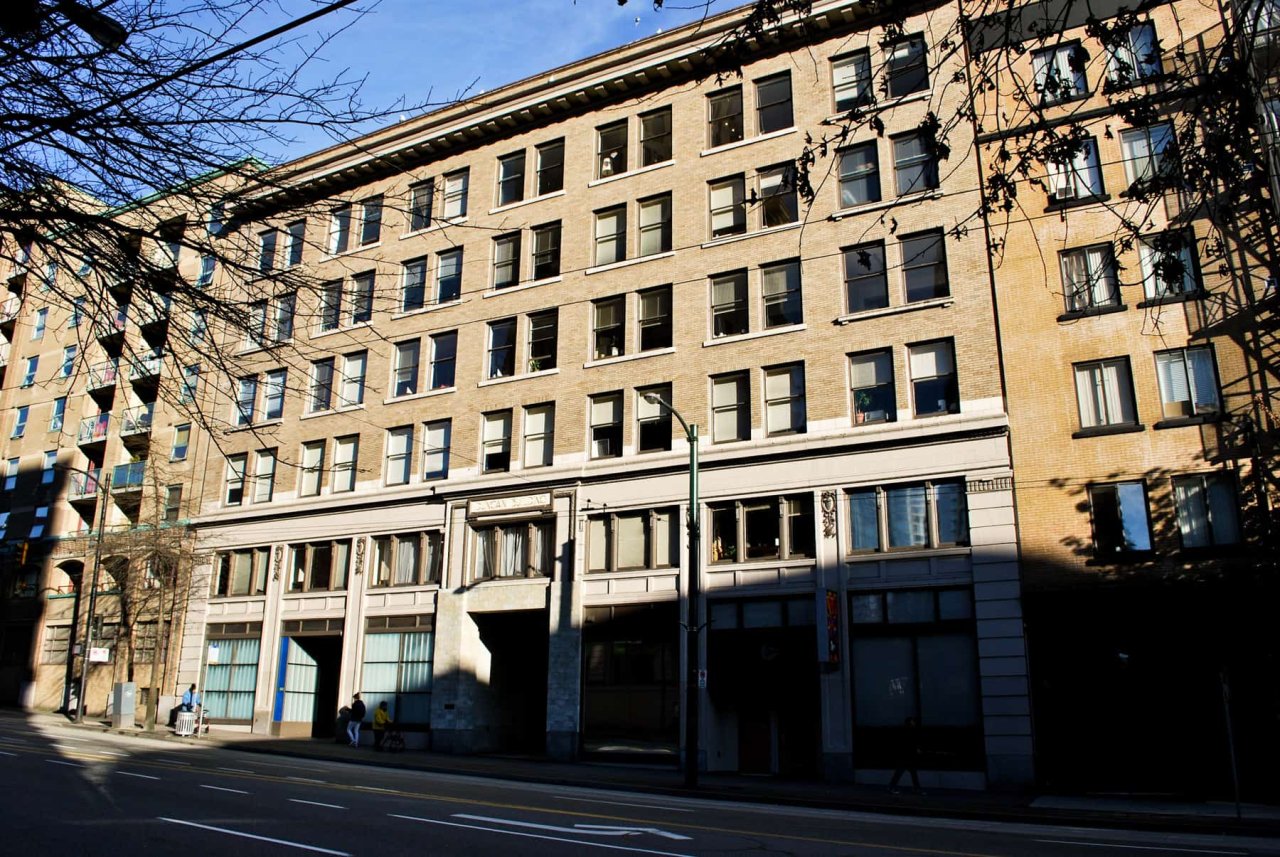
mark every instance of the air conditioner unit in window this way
{"type": "Point", "coordinates": [1064, 193]}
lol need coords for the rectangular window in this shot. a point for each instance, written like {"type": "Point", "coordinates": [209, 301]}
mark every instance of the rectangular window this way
{"type": "Point", "coordinates": [371, 221]}
{"type": "Point", "coordinates": [611, 156]}
{"type": "Point", "coordinates": [872, 387]}
{"type": "Point", "coordinates": [1150, 159]}
{"type": "Point", "coordinates": [627, 541]}
{"type": "Point", "coordinates": [321, 394]}
{"type": "Point", "coordinates": [511, 178]}
{"type": "Point", "coordinates": [38, 325]}
{"type": "Point", "coordinates": [543, 328]}
{"type": "Point", "coordinates": [506, 261]}
{"type": "Point", "coordinates": [934, 388]}
{"type": "Point", "coordinates": [1078, 175]}
{"type": "Point", "coordinates": [437, 436]}
{"type": "Point", "coordinates": [449, 276]}
{"type": "Point", "coordinates": [455, 194]}
{"type": "Point", "coordinates": [413, 288]}
{"type": "Point", "coordinates": [924, 267]}
{"type": "Point", "coordinates": [190, 378]}
{"type": "Point", "coordinates": [29, 371]}
{"type": "Point", "coordinates": [421, 198]}
{"type": "Point", "coordinates": [172, 503]}
{"type": "Point", "coordinates": [318, 567]}
{"type": "Point", "coordinates": [273, 394]}
{"type": "Point", "coordinates": [208, 262]}
{"type": "Point", "coordinates": [1207, 509]}
{"type": "Point", "coordinates": [246, 397]}
{"type": "Point", "coordinates": [516, 549]}
{"type": "Point", "coordinates": [267, 251]}
{"type": "Point", "coordinates": [346, 451]}
{"type": "Point", "coordinates": [495, 452]}
{"type": "Point", "coordinates": [68, 361]}
{"type": "Point", "coordinates": [1120, 522]}
{"type": "Point", "coordinates": [181, 442]}
{"type": "Point", "coordinates": [906, 67]}
{"type": "Point", "coordinates": [1104, 392]}
{"type": "Point", "coordinates": [1089, 278]}
{"type": "Point", "coordinates": [312, 468]}
{"type": "Point", "coordinates": [1168, 265]}
{"type": "Point", "coordinates": [724, 117]}
{"type": "Point", "coordinates": [546, 251]}
{"type": "Point", "coordinates": [58, 414]}
{"type": "Point", "coordinates": [257, 328]}
{"type": "Point", "coordinates": [406, 559]}
{"type": "Point", "coordinates": [865, 282]}
{"type": "Point", "coordinates": [851, 80]}
{"type": "Point", "coordinates": [551, 167]}
{"type": "Point", "coordinates": [860, 175]}
{"type": "Point", "coordinates": [762, 528]}
{"type": "Point", "coordinates": [915, 163]}
{"type": "Point", "coordinates": [655, 137]}
{"type": "Point", "coordinates": [784, 399]}
{"type": "Point", "coordinates": [778, 205]}
{"type": "Point", "coordinates": [353, 372]}
{"type": "Point", "coordinates": [77, 313]}
{"type": "Point", "coordinates": [1136, 58]}
{"type": "Point", "coordinates": [295, 234]}
{"type": "Point", "coordinates": [264, 475]}
{"type": "Point", "coordinates": [199, 326]}
{"type": "Point", "coordinates": [330, 305]}
{"type": "Point", "coordinates": [444, 354]}
{"type": "Point", "coordinates": [728, 212]}
{"type": "Point", "coordinates": [404, 380]}
{"type": "Point", "coordinates": [502, 348]}
{"type": "Point", "coordinates": [655, 318]}
{"type": "Point", "coordinates": [655, 225]}
{"type": "Point", "coordinates": [50, 464]}
{"type": "Point", "coordinates": [11, 473]}
{"type": "Point", "coordinates": [236, 465]}
{"type": "Point", "coordinates": [781, 290]}
{"type": "Point", "coordinates": [1059, 72]}
{"type": "Point", "coordinates": [229, 684]}
{"type": "Point", "coordinates": [1188, 382]}
{"type": "Point", "coordinates": [340, 230]}
{"type": "Point", "coordinates": [362, 297]}
{"type": "Point", "coordinates": [285, 305]}
{"type": "Point", "coordinates": [606, 425]}
{"type": "Point", "coordinates": [611, 235]}
{"type": "Point", "coordinates": [609, 327]}
{"type": "Point", "coordinates": [397, 670]}
{"type": "Point", "coordinates": [730, 408]}
{"type": "Point", "coordinates": [773, 103]}
{"type": "Point", "coordinates": [539, 435]}
{"type": "Point", "coordinates": [653, 421]}
{"type": "Point", "coordinates": [399, 455]}
{"type": "Point", "coordinates": [929, 515]}
{"type": "Point", "coordinates": [729, 304]}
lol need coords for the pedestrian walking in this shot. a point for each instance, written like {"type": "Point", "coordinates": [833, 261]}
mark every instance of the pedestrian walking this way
{"type": "Point", "coordinates": [381, 719]}
{"type": "Point", "coordinates": [357, 717]}
{"type": "Point", "coordinates": [908, 755]}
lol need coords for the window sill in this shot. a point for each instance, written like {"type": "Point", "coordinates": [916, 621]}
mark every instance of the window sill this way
{"type": "Point", "coordinates": [879, 205]}
{"type": "Point", "coordinates": [442, 223]}
{"type": "Point", "coordinates": [626, 263]}
{"type": "Point", "coordinates": [423, 395]}
{"type": "Point", "coordinates": [1077, 202]}
{"type": "Point", "coordinates": [717, 565]}
{"type": "Point", "coordinates": [878, 106]}
{"type": "Point", "coordinates": [906, 553]}
{"type": "Point", "coordinates": [849, 318]}
{"type": "Point", "coordinates": [730, 239]}
{"type": "Point", "coordinates": [1165, 300]}
{"type": "Point", "coordinates": [258, 425]}
{"type": "Point", "coordinates": [631, 572]}
{"type": "Point", "coordinates": [523, 202]}
{"type": "Point", "coordinates": [738, 144]}
{"type": "Point", "coordinates": [1179, 422]}
{"type": "Point", "coordinates": [507, 379]}
{"type": "Point", "coordinates": [343, 329]}
{"type": "Point", "coordinates": [1076, 314]}
{"type": "Point", "coordinates": [742, 337]}
{"type": "Point", "coordinates": [351, 251]}
{"type": "Point", "coordinates": [520, 287]}
{"type": "Point", "coordinates": [510, 581]}
{"type": "Point", "coordinates": [1102, 431]}
{"type": "Point", "coordinates": [625, 358]}
{"type": "Point", "coordinates": [640, 170]}
{"type": "Point", "coordinates": [425, 309]}
{"type": "Point", "coordinates": [391, 587]}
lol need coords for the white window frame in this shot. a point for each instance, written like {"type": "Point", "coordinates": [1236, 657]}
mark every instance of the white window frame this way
{"type": "Point", "coordinates": [784, 399]}
{"type": "Point", "coordinates": [539, 435]}
{"type": "Point", "coordinates": [399, 456]}
{"type": "Point", "coordinates": [1104, 393]}
{"type": "Point", "coordinates": [1188, 382]}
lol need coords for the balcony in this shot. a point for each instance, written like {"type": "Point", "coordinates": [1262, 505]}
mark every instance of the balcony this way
{"type": "Point", "coordinates": [93, 429]}
{"type": "Point", "coordinates": [84, 486]}
{"type": "Point", "coordinates": [151, 310]}
{"type": "Point", "coordinates": [146, 368]}
{"type": "Point", "coordinates": [128, 477]}
{"type": "Point", "coordinates": [137, 420]}
{"type": "Point", "coordinates": [9, 310]}
{"type": "Point", "coordinates": [4, 353]}
{"type": "Point", "coordinates": [103, 374]}
{"type": "Point", "coordinates": [113, 326]}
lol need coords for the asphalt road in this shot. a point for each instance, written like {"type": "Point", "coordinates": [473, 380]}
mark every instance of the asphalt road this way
{"type": "Point", "coordinates": [105, 795]}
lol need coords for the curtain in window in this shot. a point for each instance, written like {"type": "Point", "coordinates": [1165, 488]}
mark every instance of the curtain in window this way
{"type": "Point", "coordinates": [631, 541]}
{"type": "Point", "coordinates": [598, 544]}
{"type": "Point", "coordinates": [406, 559]}
{"type": "Point", "coordinates": [513, 552]}
{"type": "Point", "coordinates": [540, 556]}
{"type": "Point", "coordinates": [1193, 515]}
{"type": "Point", "coordinates": [486, 554]}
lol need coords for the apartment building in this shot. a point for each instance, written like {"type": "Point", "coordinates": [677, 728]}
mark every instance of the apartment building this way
{"type": "Point", "coordinates": [448, 481]}
{"type": "Point", "coordinates": [1138, 388]}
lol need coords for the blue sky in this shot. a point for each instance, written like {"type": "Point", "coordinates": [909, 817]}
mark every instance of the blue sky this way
{"type": "Point", "coordinates": [437, 50]}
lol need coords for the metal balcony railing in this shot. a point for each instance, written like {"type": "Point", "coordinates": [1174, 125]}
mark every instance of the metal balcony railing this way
{"type": "Point", "coordinates": [137, 420]}
{"type": "Point", "coordinates": [103, 374]}
{"type": "Point", "coordinates": [125, 477]}
{"type": "Point", "coordinates": [9, 309]}
{"type": "Point", "coordinates": [146, 367]}
{"type": "Point", "coordinates": [93, 429]}
{"type": "Point", "coordinates": [84, 484]}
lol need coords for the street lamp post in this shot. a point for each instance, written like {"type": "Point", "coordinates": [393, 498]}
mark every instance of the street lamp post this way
{"type": "Point", "coordinates": [691, 624]}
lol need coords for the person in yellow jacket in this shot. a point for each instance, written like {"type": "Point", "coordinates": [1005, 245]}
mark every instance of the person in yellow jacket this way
{"type": "Point", "coordinates": [381, 719]}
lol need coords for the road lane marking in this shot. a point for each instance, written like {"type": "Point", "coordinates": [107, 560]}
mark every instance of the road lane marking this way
{"type": "Point", "coordinates": [259, 838]}
{"type": "Point", "coordinates": [139, 776]}
{"type": "Point", "coordinates": [60, 762]}
{"type": "Point", "coordinates": [623, 803]}
{"type": "Point", "coordinates": [71, 738]}
{"type": "Point", "coordinates": [655, 831]}
{"type": "Point", "coordinates": [237, 770]}
{"type": "Point", "coordinates": [1142, 847]}
{"type": "Point", "coordinates": [111, 753]}
{"type": "Point", "coordinates": [174, 762]}
{"type": "Point", "coordinates": [538, 836]}
{"type": "Point", "coordinates": [591, 829]}
{"type": "Point", "coordinates": [221, 789]}
{"type": "Point", "coordinates": [305, 780]}
{"type": "Point", "coordinates": [7, 753]}
{"type": "Point", "coordinates": [315, 803]}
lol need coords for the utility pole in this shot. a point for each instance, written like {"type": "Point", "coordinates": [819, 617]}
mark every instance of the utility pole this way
{"type": "Point", "coordinates": [104, 487]}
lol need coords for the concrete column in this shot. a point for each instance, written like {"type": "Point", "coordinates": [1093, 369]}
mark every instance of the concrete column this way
{"type": "Point", "coordinates": [833, 679]}
{"type": "Point", "coordinates": [564, 653]}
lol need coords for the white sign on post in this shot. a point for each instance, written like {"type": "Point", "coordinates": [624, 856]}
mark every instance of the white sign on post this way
{"type": "Point", "coordinates": [213, 653]}
{"type": "Point", "coordinates": [99, 654]}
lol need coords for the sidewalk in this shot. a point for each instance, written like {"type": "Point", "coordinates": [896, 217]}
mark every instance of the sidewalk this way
{"type": "Point", "coordinates": [1131, 812]}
